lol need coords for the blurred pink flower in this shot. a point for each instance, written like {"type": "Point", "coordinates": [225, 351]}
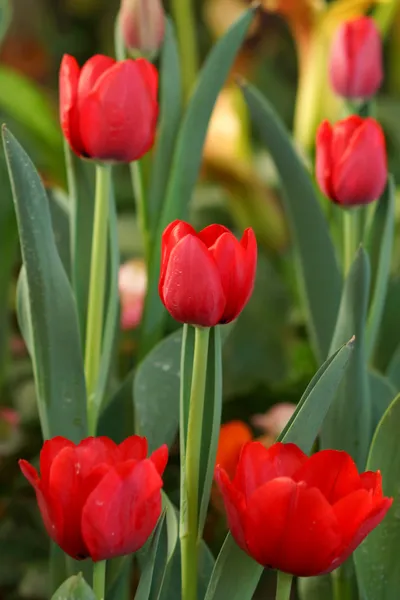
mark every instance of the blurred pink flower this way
{"type": "Point", "coordinates": [132, 282]}
{"type": "Point", "coordinates": [275, 419]}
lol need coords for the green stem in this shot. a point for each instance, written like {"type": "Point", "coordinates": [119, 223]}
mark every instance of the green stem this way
{"type": "Point", "coordinates": [141, 208]}
{"type": "Point", "coordinates": [352, 235]}
{"type": "Point", "coordinates": [342, 586]}
{"type": "Point", "coordinates": [98, 268]}
{"type": "Point", "coordinates": [73, 199]}
{"type": "Point", "coordinates": [283, 586]}
{"type": "Point", "coordinates": [190, 484]}
{"type": "Point", "coordinates": [184, 17]}
{"type": "Point", "coordinates": [99, 579]}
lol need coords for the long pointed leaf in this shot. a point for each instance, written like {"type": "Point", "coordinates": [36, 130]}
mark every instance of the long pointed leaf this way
{"type": "Point", "coordinates": [319, 274]}
{"type": "Point", "coordinates": [348, 422]}
{"type": "Point", "coordinates": [55, 345]}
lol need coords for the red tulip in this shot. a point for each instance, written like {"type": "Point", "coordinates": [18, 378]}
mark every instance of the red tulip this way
{"type": "Point", "coordinates": [207, 277]}
{"type": "Point", "coordinates": [97, 499]}
{"type": "Point", "coordinates": [351, 163]}
{"type": "Point", "coordinates": [301, 515]}
{"type": "Point", "coordinates": [356, 64]}
{"type": "Point", "coordinates": [108, 109]}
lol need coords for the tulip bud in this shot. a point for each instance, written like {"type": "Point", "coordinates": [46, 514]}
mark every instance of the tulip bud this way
{"type": "Point", "coordinates": [142, 25]}
{"type": "Point", "coordinates": [132, 283]}
{"type": "Point", "coordinates": [355, 66]}
{"type": "Point", "coordinates": [206, 278]}
{"type": "Point", "coordinates": [351, 162]}
{"type": "Point", "coordinates": [97, 116]}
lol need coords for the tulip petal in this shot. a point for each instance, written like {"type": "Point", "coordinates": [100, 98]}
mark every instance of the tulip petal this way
{"type": "Point", "coordinates": [174, 232]}
{"type": "Point", "coordinates": [29, 472]}
{"type": "Point", "coordinates": [342, 134]}
{"type": "Point", "coordinates": [234, 505]}
{"type": "Point", "coordinates": [90, 73]}
{"type": "Point", "coordinates": [159, 458]}
{"type": "Point", "coordinates": [312, 538]}
{"type": "Point", "coordinates": [258, 465]}
{"type": "Point", "coordinates": [333, 472]}
{"type": "Point", "coordinates": [69, 113]}
{"type": "Point", "coordinates": [367, 54]}
{"type": "Point", "coordinates": [122, 511]}
{"type": "Point", "coordinates": [360, 175]}
{"type": "Point", "coordinates": [357, 515]}
{"type": "Point", "coordinates": [150, 76]}
{"type": "Point", "coordinates": [372, 481]}
{"type": "Point", "coordinates": [209, 235]}
{"type": "Point", "coordinates": [112, 128]}
{"type": "Point", "coordinates": [339, 62]}
{"type": "Point", "coordinates": [93, 451]}
{"type": "Point", "coordinates": [229, 257]}
{"type": "Point", "coordinates": [192, 290]}
{"type": "Point", "coordinates": [323, 164]}
{"type": "Point", "coordinates": [133, 447]}
{"type": "Point", "coordinates": [49, 451]}
{"type": "Point", "coordinates": [232, 437]}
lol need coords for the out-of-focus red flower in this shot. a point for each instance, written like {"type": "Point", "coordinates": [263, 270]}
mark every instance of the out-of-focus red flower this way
{"type": "Point", "coordinates": [98, 499]}
{"type": "Point", "coordinates": [300, 515]}
{"type": "Point", "coordinates": [356, 64]}
{"type": "Point", "coordinates": [232, 437]}
{"type": "Point", "coordinates": [142, 25]}
{"type": "Point", "coordinates": [351, 161]}
{"type": "Point", "coordinates": [132, 281]}
{"type": "Point", "coordinates": [109, 109]}
{"type": "Point", "coordinates": [207, 277]}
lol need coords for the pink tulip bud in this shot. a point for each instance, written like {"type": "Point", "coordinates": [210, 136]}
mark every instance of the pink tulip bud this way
{"type": "Point", "coordinates": [355, 65]}
{"type": "Point", "coordinates": [132, 290]}
{"type": "Point", "coordinates": [142, 25]}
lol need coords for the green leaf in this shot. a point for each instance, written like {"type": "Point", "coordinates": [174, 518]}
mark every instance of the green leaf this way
{"type": "Point", "coordinates": [26, 103]}
{"type": "Point", "coordinates": [116, 419]}
{"type": "Point", "coordinates": [156, 393]}
{"type": "Point", "coordinates": [187, 161]}
{"type": "Point", "coordinates": [8, 253]}
{"type": "Point", "coordinates": [74, 588]}
{"type": "Point", "coordinates": [380, 251]}
{"type": "Point", "coordinates": [147, 569]}
{"type": "Point", "coordinates": [389, 334]}
{"type": "Point", "coordinates": [5, 17]}
{"type": "Point", "coordinates": [376, 559]}
{"type": "Point", "coordinates": [393, 370]}
{"type": "Point", "coordinates": [211, 424]}
{"type": "Point", "coordinates": [170, 115]}
{"type": "Point", "coordinates": [382, 393]}
{"type": "Point", "coordinates": [302, 429]}
{"type": "Point", "coordinates": [311, 411]}
{"type": "Point", "coordinates": [55, 344]}
{"type": "Point", "coordinates": [348, 423]}
{"type": "Point", "coordinates": [319, 274]}
{"type": "Point", "coordinates": [235, 575]}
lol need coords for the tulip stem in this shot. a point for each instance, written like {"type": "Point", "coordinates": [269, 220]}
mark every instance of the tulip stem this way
{"type": "Point", "coordinates": [141, 208]}
{"type": "Point", "coordinates": [98, 268]}
{"type": "Point", "coordinates": [191, 467]}
{"type": "Point", "coordinates": [352, 236]}
{"type": "Point", "coordinates": [99, 579]}
{"type": "Point", "coordinates": [283, 586]}
{"type": "Point", "coordinates": [184, 17]}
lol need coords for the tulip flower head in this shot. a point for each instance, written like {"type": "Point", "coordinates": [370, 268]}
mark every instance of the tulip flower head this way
{"type": "Point", "coordinates": [356, 64]}
{"type": "Point", "coordinates": [207, 277]}
{"type": "Point", "coordinates": [98, 499]}
{"type": "Point", "coordinates": [142, 25]}
{"type": "Point", "coordinates": [109, 109]}
{"type": "Point", "coordinates": [351, 161]}
{"type": "Point", "coordinates": [132, 284]}
{"type": "Point", "coordinates": [301, 515]}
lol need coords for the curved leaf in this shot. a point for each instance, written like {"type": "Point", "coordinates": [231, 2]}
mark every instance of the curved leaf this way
{"type": "Point", "coordinates": [319, 275]}
{"type": "Point", "coordinates": [348, 423]}
{"type": "Point", "coordinates": [55, 344]}
{"type": "Point", "coordinates": [376, 560]}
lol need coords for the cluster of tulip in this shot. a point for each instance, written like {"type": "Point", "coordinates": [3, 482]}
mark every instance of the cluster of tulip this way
{"type": "Point", "coordinates": [298, 514]}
